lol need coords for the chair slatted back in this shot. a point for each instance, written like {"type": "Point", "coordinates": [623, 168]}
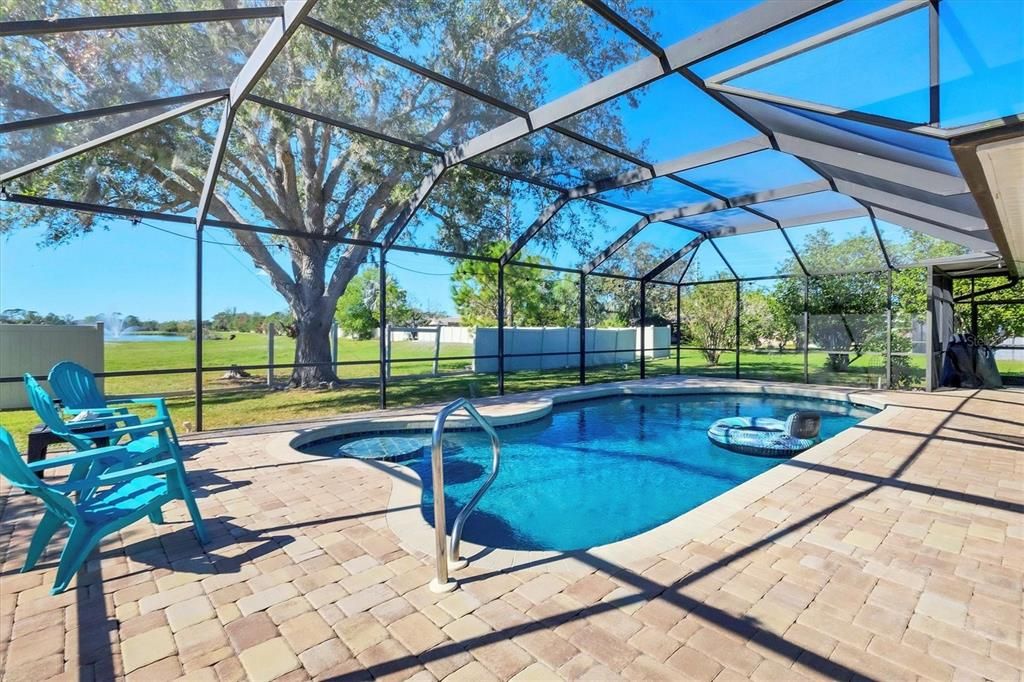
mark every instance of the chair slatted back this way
{"type": "Point", "coordinates": [75, 386]}
{"type": "Point", "coordinates": [42, 403]}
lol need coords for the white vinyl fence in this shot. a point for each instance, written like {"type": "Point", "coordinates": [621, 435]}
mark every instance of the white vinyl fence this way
{"type": "Point", "coordinates": [35, 348]}
{"type": "Point", "coordinates": [428, 335]}
{"type": "Point", "coordinates": [604, 347]}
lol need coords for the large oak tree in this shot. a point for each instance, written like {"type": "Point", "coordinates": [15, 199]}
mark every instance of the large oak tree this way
{"type": "Point", "coordinates": [294, 173]}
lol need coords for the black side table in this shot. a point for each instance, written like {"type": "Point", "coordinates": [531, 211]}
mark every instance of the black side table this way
{"type": "Point", "coordinates": [40, 438]}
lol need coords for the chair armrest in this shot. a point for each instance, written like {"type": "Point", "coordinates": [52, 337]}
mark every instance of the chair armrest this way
{"type": "Point", "coordinates": [102, 411]}
{"type": "Point", "coordinates": [115, 434]}
{"type": "Point", "coordinates": [79, 457]}
{"type": "Point", "coordinates": [159, 467]}
{"type": "Point", "coordinates": [152, 399]}
{"type": "Point", "coordinates": [96, 421]}
{"type": "Point", "coordinates": [158, 403]}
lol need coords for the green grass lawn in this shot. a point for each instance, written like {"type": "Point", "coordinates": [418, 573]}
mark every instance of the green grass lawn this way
{"type": "Point", "coordinates": [251, 349]}
{"type": "Point", "coordinates": [231, 403]}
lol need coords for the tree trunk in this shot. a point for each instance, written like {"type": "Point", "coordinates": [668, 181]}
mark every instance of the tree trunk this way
{"type": "Point", "coordinates": [313, 345]}
{"type": "Point", "coordinates": [839, 362]}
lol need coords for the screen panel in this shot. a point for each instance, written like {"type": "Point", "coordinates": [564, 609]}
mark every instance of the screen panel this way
{"type": "Point", "coordinates": [880, 70]}
{"type": "Point", "coordinates": [707, 265]}
{"type": "Point", "coordinates": [809, 208]}
{"type": "Point", "coordinates": [757, 254]}
{"type": "Point", "coordinates": [74, 71]}
{"type": "Point", "coordinates": [708, 331]}
{"type": "Point", "coordinates": [981, 54]}
{"type": "Point", "coordinates": [21, 147]}
{"type": "Point", "coordinates": [657, 194]}
{"type": "Point", "coordinates": [144, 328]}
{"type": "Point", "coordinates": [647, 249]}
{"type": "Point", "coordinates": [751, 173]}
{"type": "Point", "coordinates": [726, 222]}
{"type": "Point", "coordinates": [159, 168]}
{"type": "Point", "coordinates": [275, 174]}
{"type": "Point", "coordinates": [35, 10]}
{"type": "Point", "coordinates": [325, 76]}
{"type": "Point", "coordinates": [771, 330]}
{"type": "Point", "coordinates": [838, 246]}
{"type": "Point", "coordinates": [908, 247]}
{"type": "Point", "coordinates": [665, 120]}
{"type": "Point", "coordinates": [579, 232]}
{"type": "Point", "coordinates": [524, 52]}
{"type": "Point", "coordinates": [555, 158]}
{"type": "Point", "coordinates": [471, 208]}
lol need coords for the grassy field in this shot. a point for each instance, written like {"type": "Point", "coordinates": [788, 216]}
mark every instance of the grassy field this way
{"type": "Point", "coordinates": [235, 403]}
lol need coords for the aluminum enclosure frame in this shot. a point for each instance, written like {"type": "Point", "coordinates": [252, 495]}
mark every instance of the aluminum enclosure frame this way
{"type": "Point", "coordinates": [663, 62]}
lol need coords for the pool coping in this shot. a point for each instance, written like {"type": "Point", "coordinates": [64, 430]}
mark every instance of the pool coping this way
{"type": "Point", "coordinates": [416, 535]}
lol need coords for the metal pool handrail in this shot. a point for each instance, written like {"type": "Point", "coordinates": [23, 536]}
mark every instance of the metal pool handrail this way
{"type": "Point", "coordinates": [442, 583]}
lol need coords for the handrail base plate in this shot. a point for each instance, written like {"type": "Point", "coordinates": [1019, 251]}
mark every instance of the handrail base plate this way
{"type": "Point", "coordinates": [441, 588]}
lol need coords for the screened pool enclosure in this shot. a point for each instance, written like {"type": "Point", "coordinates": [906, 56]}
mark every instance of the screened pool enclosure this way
{"type": "Point", "coordinates": [760, 189]}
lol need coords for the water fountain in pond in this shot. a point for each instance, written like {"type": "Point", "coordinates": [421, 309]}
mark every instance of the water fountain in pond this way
{"type": "Point", "coordinates": [114, 328]}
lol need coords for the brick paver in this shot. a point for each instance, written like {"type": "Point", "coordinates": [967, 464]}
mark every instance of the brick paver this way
{"type": "Point", "coordinates": [899, 556]}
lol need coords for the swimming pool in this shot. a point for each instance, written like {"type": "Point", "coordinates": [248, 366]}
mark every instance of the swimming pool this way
{"type": "Point", "coordinates": [601, 470]}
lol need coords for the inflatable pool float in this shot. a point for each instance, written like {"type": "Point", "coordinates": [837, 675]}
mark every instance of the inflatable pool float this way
{"type": "Point", "coordinates": [767, 437]}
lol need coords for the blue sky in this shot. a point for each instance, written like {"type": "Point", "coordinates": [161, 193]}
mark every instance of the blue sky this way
{"type": "Point", "coordinates": [143, 271]}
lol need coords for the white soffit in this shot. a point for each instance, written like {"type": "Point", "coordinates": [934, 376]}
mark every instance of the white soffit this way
{"type": "Point", "coordinates": [1003, 165]}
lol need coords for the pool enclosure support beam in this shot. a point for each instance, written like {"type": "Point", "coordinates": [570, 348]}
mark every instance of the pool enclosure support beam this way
{"type": "Point", "coordinates": [643, 329]}
{"type": "Point", "coordinates": [68, 117]}
{"type": "Point", "coordinates": [870, 119]}
{"type": "Point", "coordinates": [888, 330]}
{"type": "Point", "coordinates": [915, 222]}
{"type": "Point", "coordinates": [674, 258]}
{"type": "Point", "coordinates": [382, 313]}
{"type": "Point", "coordinates": [878, 236]}
{"type": "Point", "coordinates": [754, 212]}
{"type": "Point", "coordinates": [272, 42]}
{"type": "Point", "coordinates": [679, 322]}
{"type": "Point", "coordinates": [955, 221]}
{"type": "Point", "coordinates": [343, 125]}
{"type": "Point", "coordinates": [893, 11]}
{"type": "Point", "coordinates": [270, 45]}
{"type": "Point", "coordinates": [65, 154]}
{"type": "Point", "coordinates": [135, 214]}
{"type": "Point", "coordinates": [198, 378]}
{"type": "Point", "coordinates": [807, 330]}
{"type": "Point", "coordinates": [683, 163]}
{"type": "Point", "coordinates": [727, 264]}
{"type": "Point", "coordinates": [940, 323]}
{"type": "Point", "coordinates": [740, 28]}
{"type": "Point", "coordinates": [583, 329]}
{"type": "Point", "coordinates": [119, 21]}
{"type": "Point", "coordinates": [738, 329]}
{"type": "Point", "coordinates": [934, 75]}
{"type": "Point", "coordinates": [935, 182]}
{"type": "Point", "coordinates": [501, 329]}
{"type": "Point", "coordinates": [270, 354]}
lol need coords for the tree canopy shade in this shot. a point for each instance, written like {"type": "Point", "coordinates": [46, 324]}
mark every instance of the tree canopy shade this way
{"type": "Point", "coordinates": [320, 132]}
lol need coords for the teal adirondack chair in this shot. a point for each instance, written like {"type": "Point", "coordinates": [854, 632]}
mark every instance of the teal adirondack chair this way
{"type": "Point", "coordinates": [106, 499]}
{"type": "Point", "coordinates": [147, 440]}
{"type": "Point", "coordinates": [76, 388]}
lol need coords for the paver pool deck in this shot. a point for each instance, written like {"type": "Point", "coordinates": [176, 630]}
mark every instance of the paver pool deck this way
{"type": "Point", "coordinates": [895, 551]}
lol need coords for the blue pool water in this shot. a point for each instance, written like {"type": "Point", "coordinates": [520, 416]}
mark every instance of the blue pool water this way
{"type": "Point", "coordinates": [599, 471]}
